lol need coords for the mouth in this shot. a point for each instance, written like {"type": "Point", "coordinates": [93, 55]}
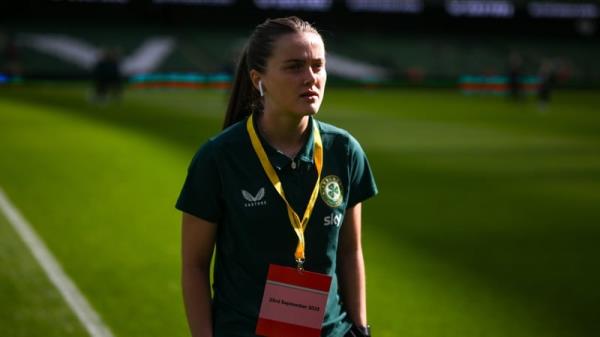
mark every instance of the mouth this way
{"type": "Point", "coordinates": [309, 94]}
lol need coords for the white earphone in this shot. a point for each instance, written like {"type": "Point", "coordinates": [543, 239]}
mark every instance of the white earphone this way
{"type": "Point", "coordinates": [260, 88]}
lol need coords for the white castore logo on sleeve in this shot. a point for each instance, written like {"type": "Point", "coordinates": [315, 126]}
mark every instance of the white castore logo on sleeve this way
{"type": "Point", "coordinates": [254, 200]}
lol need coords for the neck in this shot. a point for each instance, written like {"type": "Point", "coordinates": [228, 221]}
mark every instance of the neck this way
{"type": "Point", "coordinates": [285, 133]}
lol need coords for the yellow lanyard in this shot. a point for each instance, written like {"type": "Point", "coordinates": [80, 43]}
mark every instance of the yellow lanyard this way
{"type": "Point", "coordinates": [298, 225]}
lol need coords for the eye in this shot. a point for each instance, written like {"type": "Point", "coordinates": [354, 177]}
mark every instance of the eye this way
{"type": "Point", "coordinates": [295, 66]}
{"type": "Point", "coordinates": [318, 66]}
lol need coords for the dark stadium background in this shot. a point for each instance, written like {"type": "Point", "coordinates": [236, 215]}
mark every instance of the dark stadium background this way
{"type": "Point", "coordinates": [572, 39]}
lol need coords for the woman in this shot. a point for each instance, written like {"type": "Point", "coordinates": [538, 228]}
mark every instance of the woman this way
{"type": "Point", "coordinates": [229, 199]}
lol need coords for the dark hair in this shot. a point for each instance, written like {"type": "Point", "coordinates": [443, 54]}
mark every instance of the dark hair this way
{"type": "Point", "coordinates": [244, 98]}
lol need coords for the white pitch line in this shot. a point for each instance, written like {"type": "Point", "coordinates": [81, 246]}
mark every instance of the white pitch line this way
{"type": "Point", "coordinates": [74, 298]}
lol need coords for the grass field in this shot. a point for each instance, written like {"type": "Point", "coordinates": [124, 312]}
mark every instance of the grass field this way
{"type": "Point", "coordinates": [487, 222]}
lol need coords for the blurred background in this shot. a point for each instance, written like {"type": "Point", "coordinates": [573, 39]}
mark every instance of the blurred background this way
{"type": "Point", "coordinates": [480, 119]}
{"type": "Point", "coordinates": [387, 42]}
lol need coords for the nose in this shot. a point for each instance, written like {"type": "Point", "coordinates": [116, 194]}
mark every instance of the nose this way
{"type": "Point", "coordinates": [310, 76]}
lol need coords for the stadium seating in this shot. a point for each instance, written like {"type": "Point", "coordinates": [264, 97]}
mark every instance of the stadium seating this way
{"type": "Point", "coordinates": [409, 59]}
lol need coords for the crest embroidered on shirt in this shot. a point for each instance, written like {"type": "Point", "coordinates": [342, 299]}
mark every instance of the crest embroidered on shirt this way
{"type": "Point", "coordinates": [254, 200]}
{"type": "Point", "coordinates": [331, 191]}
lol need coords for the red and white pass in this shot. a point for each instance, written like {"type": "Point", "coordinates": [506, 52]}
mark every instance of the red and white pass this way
{"type": "Point", "coordinates": [293, 304]}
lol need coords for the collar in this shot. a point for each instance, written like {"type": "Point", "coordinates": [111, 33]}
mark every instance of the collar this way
{"type": "Point", "coordinates": [280, 160]}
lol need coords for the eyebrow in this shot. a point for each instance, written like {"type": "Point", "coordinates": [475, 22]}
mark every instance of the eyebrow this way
{"type": "Point", "coordinates": [301, 60]}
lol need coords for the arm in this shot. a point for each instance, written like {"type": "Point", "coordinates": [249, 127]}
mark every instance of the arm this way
{"type": "Point", "coordinates": [352, 267]}
{"type": "Point", "coordinates": [197, 244]}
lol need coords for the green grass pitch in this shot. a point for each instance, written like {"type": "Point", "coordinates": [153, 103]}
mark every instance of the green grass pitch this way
{"type": "Point", "coordinates": [487, 222]}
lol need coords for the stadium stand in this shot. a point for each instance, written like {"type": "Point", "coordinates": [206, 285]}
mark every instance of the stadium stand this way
{"type": "Point", "coordinates": [398, 59]}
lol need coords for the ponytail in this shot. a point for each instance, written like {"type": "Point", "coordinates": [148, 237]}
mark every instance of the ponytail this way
{"type": "Point", "coordinates": [244, 98]}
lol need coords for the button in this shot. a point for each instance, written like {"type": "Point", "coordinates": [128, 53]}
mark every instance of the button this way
{"type": "Point", "coordinates": [293, 165]}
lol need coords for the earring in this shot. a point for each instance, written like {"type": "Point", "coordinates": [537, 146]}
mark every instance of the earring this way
{"type": "Point", "coordinates": [260, 89]}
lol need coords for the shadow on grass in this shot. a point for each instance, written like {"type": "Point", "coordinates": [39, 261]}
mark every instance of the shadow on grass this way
{"type": "Point", "coordinates": [188, 128]}
{"type": "Point", "coordinates": [504, 231]}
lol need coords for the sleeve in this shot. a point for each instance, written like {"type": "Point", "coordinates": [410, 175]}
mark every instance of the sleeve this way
{"type": "Point", "coordinates": [201, 194]}
{"type": "Point", "coordinates": [362, 183]}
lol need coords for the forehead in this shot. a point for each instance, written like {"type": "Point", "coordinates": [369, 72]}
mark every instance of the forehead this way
{"type": "Point", "coordinates": [298, 46]}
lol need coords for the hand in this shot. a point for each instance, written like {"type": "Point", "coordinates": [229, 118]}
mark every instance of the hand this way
{"type": "Point", "coordinates": [360, 331]}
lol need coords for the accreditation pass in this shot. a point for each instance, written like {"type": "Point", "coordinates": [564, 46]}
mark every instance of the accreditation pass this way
{"type": "Point", "coordinates": [293, 303]}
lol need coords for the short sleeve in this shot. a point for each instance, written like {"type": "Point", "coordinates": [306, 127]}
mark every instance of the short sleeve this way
{"type": "Point", "coordinates": [362, 183]}
{"type": "Point", "coordinates": [201, 194]}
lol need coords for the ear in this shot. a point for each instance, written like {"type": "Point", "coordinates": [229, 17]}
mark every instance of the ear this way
{"type": "Point", "coordinates": [255, 77]}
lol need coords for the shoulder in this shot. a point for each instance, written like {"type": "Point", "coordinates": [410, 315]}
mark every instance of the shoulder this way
{"type": "Point", "coordinates": [226, 139]}
{"type": "Point", "coordinates": [232, 134]}
{"type": "Point", "coordinates": [338, 136]}
{"type": "Point", "coordinates": [331, 130]}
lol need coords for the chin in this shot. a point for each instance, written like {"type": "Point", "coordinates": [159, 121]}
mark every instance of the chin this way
{"type": "Point", "coordinates": [312, 112]}
{"type": "Point", "coordinates": [309, 111]}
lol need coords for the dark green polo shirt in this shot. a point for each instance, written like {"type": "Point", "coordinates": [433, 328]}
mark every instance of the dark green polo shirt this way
{"type": "Point", "coordinates": [226, 185]}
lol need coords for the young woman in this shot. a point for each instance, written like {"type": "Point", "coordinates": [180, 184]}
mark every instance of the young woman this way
{"type": "Point", "coordinates": [230, 199]}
